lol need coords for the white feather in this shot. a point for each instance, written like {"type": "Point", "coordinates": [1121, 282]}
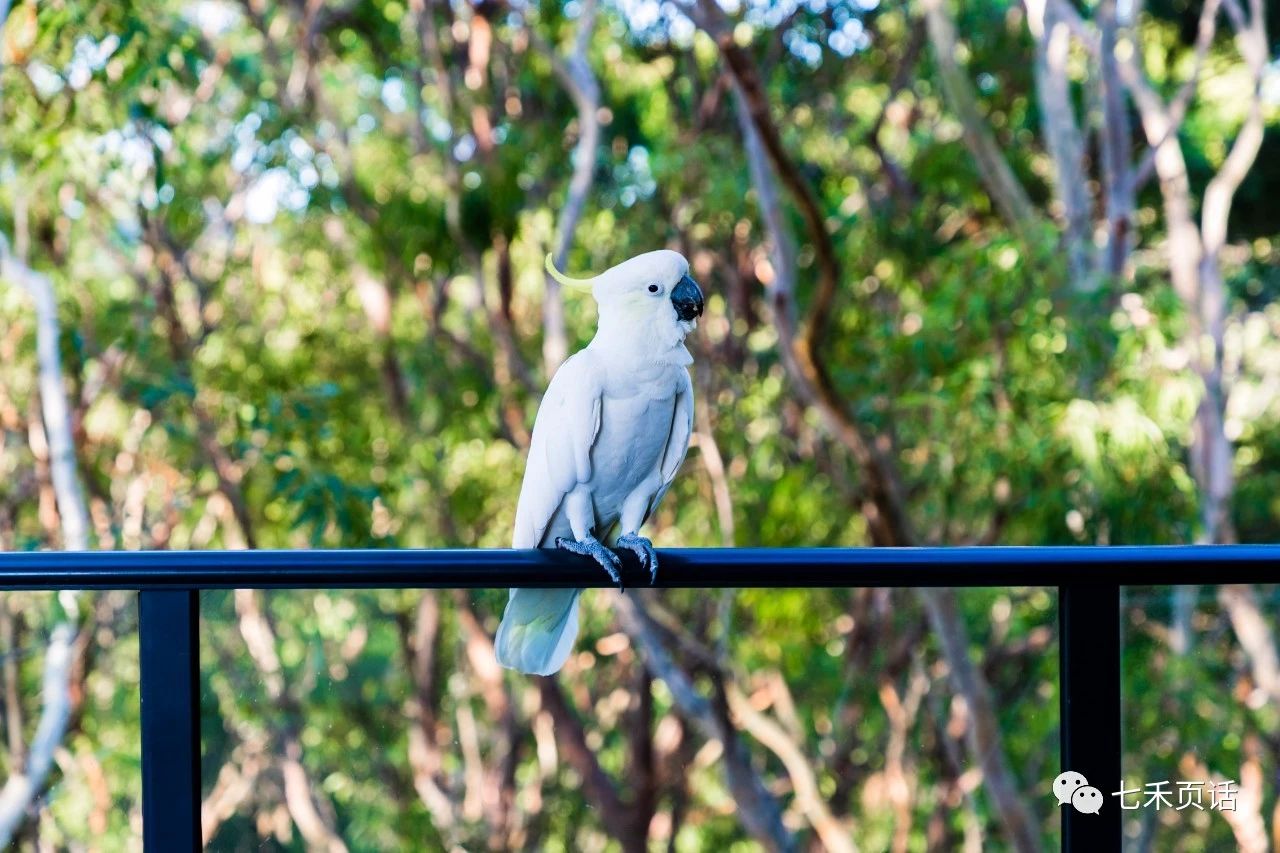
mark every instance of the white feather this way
{"type": "Point", "coordinates": [616, 419]}
{"type": "Point", "coordinates": [538, 629]}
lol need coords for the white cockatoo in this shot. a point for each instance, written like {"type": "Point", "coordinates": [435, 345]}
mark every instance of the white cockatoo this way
{"type": "Point", "coordinates": [610, 435]}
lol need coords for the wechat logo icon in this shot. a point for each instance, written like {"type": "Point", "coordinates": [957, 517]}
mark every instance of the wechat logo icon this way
{"type": "Point", "coordinates": [1072, 788]}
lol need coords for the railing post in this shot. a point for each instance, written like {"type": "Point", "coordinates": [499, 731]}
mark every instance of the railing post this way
{"type": "Point", "coordinates": [168, 624]}
{"type": "Point", "coordinates": [1089, 654]}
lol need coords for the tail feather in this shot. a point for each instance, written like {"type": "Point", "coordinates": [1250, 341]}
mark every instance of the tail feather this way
{"type": "Point", "coordinates": [538, 629]}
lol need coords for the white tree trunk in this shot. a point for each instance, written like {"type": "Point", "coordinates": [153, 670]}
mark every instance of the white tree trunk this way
{"type": "Point", "coordinates": [23, 786]}
{"type": "Point", "coordinates": [1062, 137]}
{"type": "Point", "coordinates": [576, 76]}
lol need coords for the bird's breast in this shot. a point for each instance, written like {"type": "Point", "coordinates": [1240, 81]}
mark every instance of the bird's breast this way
{"type": "Point", "coordinates": [634, 432]}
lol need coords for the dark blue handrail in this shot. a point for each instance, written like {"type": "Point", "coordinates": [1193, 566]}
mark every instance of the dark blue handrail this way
{"type": "Point", "coordinates": [1088, 581]}
{"type": "Point", "coordinates": [681, 568]}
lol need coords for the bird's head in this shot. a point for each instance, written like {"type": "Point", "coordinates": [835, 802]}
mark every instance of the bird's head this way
{"type": "Point", "coordinates": [648, 298]}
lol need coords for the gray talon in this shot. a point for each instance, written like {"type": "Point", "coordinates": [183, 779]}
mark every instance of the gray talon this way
{"type": "Point", "coordinates": [643, 549]}
{"type": "Point", "coordinates": [591, 547]}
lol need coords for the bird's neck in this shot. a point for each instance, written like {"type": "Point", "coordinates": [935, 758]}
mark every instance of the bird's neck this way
{"type": "Point", "coordinates": [628, 340]}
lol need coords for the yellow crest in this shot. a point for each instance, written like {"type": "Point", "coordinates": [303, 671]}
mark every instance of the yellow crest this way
{"type": "Point", "coordinates": [583, 284]}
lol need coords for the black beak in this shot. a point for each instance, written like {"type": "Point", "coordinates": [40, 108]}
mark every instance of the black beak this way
{"type": "Point", "coordinates": [687, 299]}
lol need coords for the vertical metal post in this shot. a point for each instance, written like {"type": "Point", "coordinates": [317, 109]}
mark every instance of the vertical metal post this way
{"type": "Point", "coordinates": [1089, 649]}
{"type": "Point", "coordinates": [168, 624]}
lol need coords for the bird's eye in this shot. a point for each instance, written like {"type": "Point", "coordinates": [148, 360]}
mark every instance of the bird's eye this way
{"type": "Point", "coordinates": [653, 288]}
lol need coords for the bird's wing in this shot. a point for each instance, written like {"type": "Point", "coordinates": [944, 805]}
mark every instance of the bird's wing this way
{"type": "Point", "coordinates": [560, 452]}
{"type": "Point", "coordinates": [677, 440]}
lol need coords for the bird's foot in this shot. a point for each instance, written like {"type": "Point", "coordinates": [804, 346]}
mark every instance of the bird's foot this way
{"type": "Point", "coordinates": [643, 549]}
{"type": "Point", "coordinates": [591, 547]}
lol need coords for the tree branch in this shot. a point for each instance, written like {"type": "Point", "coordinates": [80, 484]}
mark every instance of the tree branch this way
{"type": "Point", "coordinates": [885, 510]}
{"type": "Point", "coordinates": [420, 642]}
{"type": "Point", "coordinates": [1176, 110]}
{"type": "Point", "coordinates": [1251, 37]}
{"type": "Point", "coordinates": [1115, 142]}
{"type": "Point", "coordinates": [25, 784]}
{"type": "Point", "coordinates": [751, 97]}
{"type": "Point", "coordinates": [1194, 253]}
{"type": "Point", "coordinates": [1061, 133]}
{"type": "Point", "coordinates": [233, 786]}
{"type": "Point", "coordinates": [500, 783]}
{"type": "Point", "coordinates": [757, 809]}
{"type": "Point", "coordinates": [578, 80]}
{"type": "Point", "coordinates": [983, 732]}
{"type": "Point", "coordinates": [12, 696]}
{"type": "Point", "coordinates": [836, 837]}
{"type": "Point", "coordinates": [299, 793]}
{"type": "Point", "coordinates": [72, 509]}
{"type": "Point", "coordinates": [1006, 191]}
{"type": "Point", "coordinates": [1254, 635]}
{"type": "Point", "coordinates": [599, 787]}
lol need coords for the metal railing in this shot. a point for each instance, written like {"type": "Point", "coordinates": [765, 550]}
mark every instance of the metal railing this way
{"type": "Point", "coordinates": [1088, 581]}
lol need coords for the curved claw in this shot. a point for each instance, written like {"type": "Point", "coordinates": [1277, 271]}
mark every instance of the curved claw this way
{"type": "Point", "coordinates": [591, 547]}
{"type": "Point", "coordinates": [643, 549]}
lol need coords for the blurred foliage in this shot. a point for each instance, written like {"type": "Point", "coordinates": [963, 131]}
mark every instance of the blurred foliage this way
{"type": "Point", "coordinates": [252, 216]}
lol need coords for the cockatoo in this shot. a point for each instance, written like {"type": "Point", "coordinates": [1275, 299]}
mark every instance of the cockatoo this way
{"type": "Point", "coordinates": [609, 437]}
